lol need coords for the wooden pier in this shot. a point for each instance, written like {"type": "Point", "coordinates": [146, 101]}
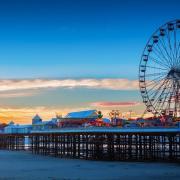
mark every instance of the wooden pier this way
{"type": "Point", "coordinates": [12, 141]}
{"type": "Point", "coordinates": [116, 146]}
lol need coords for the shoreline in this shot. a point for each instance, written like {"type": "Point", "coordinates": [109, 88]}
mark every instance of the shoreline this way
{"type": "Point", "coordinates": [24, 165]}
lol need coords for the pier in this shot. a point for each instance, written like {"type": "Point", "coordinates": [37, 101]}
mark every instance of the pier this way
{"type": "Point", "coordinates": [100, 144]}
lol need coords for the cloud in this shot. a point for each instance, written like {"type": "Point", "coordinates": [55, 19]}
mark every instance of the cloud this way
{"type": "Point", "coordinates": [16, 94]}
{"type": "Point", "coordinates": [24, 115]}
{"type": "Point", "coordinates": [114, 104]}
{"type": "Point", "coordinates": [111, 84]}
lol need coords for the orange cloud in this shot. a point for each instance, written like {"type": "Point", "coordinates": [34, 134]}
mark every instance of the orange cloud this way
{"type": "Point", "coordinates": [114, 104]}
{"type": "Point", "coordinates": [23, 115]}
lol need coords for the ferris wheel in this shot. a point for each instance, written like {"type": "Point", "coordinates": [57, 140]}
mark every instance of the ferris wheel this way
{"type": "Point", "coordinates": [159, 71]}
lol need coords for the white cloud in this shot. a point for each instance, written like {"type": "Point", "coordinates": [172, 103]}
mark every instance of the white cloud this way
{"type": "Point", "coordinates": [111, 84]}
{"type": "Point", "coordinates": [16, 94]}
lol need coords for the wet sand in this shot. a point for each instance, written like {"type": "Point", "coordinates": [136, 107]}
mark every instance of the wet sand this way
{"type": "Point", "coordinates": [24, 165]}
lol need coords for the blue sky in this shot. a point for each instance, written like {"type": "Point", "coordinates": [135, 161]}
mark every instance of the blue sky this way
{"type": "Point", "coordinates": [66, 39]}
{"type": "Point", "coordinates": [85, 38]}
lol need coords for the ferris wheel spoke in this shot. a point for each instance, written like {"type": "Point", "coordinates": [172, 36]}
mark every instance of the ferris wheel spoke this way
{"type": "Point", "coordinates": [175, 43]}
{"type": "Point", "coordinates": [156, 68]}
{"type": "Point", "coordinates": [170, 102]}
{"type": "Point", "coordinates": [156, 92]}
{"type": "Point", "coordinates": [162, 60]}
{"type": "Point", "coordinates": [155, 74]}
{"type": "Point", "coordinates": [166, 97]}
{"type": "Point", "coordinates": [162, 100]}
{"type": "Point", "coordinates": [170, 47]}
{"type": "Point", "coordinates": [153, 90]}
{"type": "Point", "coordinates": [159, 103]}
{"type": "Point", "coordinates": [178, 56]}
{"type": "Point", "coordinates": [176, 98]}
{"type": "Point", "coordinates": [176, 47]}
{"type": "Point", "coordinates": [178, 61]}
{"type": "Point", "coordinates": [155, 80]}
{"type": "Point", "coordinates": [166, 58]}
{"type": "Point", "coordinates": [152, 84]}
{"type": "Point", "coordinates": [158, 62]}
{"type": "Point", "coordinates": [178, 50]}
{"type": "Point", "coordinates": [164, 47]}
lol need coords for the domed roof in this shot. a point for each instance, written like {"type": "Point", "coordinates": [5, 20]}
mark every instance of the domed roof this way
{"type": "Point", "coordinates": [11, 123]}
{"type": "Point", "coordinates": [36, 117]}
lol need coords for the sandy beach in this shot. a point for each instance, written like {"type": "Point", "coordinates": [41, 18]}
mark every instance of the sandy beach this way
{"type": "Point", "coordinates": [24, 165]}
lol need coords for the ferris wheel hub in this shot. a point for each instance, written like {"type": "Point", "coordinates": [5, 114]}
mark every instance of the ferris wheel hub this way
{"type": "Point", "coordinates": [174, 73]}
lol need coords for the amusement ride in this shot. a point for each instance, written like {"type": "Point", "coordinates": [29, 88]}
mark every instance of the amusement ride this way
{"type": "Point", "coordinates": [159, 71]}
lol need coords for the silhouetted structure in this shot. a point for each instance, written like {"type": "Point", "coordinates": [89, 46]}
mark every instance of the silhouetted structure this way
{"type": "Point", "coordinates": [159, 145]}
